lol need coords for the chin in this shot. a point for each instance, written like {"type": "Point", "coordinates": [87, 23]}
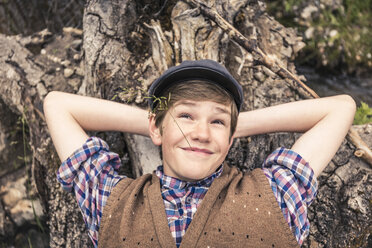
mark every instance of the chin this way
{"type": "Point", "coordinates": [195, 175]}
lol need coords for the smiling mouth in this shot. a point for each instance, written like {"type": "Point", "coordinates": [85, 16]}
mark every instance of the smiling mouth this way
{"type": "Point", "coordinates": [195, 149]}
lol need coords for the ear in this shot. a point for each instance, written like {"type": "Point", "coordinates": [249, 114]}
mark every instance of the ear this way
{"type": "Point", "coordinates": [231, 140]}
{"type": "Point", "coordinates": [154, 131]}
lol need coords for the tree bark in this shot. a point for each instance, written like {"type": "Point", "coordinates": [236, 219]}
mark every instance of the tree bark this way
{"type": "Point", "coordinates": [124, 47]}
{"type": "Point", "coordinates": [30, 16]}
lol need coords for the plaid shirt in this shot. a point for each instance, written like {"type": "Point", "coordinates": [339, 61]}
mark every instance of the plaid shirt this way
{"type": "Point", "coordinates": [91, 172]}
{"type": "Point", "coordinates": [181, 199]}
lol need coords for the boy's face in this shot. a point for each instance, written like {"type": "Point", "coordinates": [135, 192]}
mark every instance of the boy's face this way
{"type": "Point", "coordinates": [206, 126]}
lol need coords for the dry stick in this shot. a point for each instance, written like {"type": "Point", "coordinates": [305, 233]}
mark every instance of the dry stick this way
{"type": "Point", "coordinates": [273, 64]}
{"type": "Point", "coordinates": [180, 129]}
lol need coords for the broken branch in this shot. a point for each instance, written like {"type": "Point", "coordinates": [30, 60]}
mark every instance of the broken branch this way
{"type": "Point", "coordinates": [362, 149]}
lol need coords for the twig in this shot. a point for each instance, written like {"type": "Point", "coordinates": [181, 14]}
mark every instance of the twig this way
{"type": "Point", "coordinates": [362, 149]}
{"type": "Point", "coordinates": [251, 46]}
{"type": "Point", "coordinates": [180, 129]}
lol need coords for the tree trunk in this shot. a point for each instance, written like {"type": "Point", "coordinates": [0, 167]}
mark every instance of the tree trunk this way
{"type": "Point", "coordinates": [29, 16]}
{"type": "Point", "coordinates": [126, 45]}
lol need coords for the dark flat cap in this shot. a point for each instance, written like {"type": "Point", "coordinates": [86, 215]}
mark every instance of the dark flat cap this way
{"type": "Point", "coordinates": [208, 70]}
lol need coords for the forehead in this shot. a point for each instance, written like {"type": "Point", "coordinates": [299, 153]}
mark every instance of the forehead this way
{"type": "Point", "coordinates": [214, 106]}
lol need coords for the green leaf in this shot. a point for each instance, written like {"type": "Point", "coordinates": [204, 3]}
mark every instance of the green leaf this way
{"type": "Point", "coordinates": [363, 114]}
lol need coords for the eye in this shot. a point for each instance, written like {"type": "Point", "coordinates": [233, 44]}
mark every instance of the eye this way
{"type": "Point", "coordinates": [219, 122]}
{"type": "Point", "coordinates": [184, 115]}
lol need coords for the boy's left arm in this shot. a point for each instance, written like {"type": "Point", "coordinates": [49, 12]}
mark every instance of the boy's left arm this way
{"type": "Point", "coordinates": [324, 121]}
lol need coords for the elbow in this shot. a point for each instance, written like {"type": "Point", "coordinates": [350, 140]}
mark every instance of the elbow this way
{"type": "Point", "coordinates": [349, 104]}
{"type": "Point", "coordinates": [48, 100]}
{"type": "Point", "coordinates": [51, 101]}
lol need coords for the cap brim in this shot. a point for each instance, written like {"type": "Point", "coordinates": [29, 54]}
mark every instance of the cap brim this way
{"type": "Point", "coordinates": [182, 74]}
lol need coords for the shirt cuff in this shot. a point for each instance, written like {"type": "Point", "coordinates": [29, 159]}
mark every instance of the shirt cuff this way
{"type": "Point", "coordinates": [298, 166]}
{"type": "Point", "coordinates": [70, 167]}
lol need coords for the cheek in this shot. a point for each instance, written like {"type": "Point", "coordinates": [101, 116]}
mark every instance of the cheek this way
{"type": "Point", "coordinates": [225, 143]}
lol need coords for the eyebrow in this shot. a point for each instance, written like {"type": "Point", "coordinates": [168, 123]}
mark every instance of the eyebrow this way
{"type": "Point", "coordinates": [193, 104]}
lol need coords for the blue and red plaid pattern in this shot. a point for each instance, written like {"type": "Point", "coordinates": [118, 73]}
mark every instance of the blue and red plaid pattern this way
{"type": "Point", "coordinates": [92, 172]}
{"type": "Point", "coordinates": [294, 185]}
{"type": "Point", "coordinates": [181, 200]}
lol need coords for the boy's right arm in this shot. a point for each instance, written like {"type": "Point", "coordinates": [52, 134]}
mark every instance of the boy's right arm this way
{"type": "Point", "coordinates": [68, 117]}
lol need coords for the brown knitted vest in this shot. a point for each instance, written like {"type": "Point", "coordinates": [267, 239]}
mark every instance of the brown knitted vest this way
{"type": "Point", "coordinates": [239, 210]}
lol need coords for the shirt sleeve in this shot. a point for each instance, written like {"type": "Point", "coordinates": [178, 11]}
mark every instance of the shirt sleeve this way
{"type": "Point", "coordinates": [91, 173]}
{"type": "Point", "coordinates": [294, 185]}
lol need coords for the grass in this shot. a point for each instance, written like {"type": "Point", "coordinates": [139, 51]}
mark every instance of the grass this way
{"type": "Point", "coordinates": [363, 114]}
{"type": "Point", "coordinates": [25, 160]}
{"type": "Point", "coordinates": [161, 103]}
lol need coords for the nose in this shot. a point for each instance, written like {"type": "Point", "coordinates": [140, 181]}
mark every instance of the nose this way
{"type": "Point", "coordinates": [200, 132]}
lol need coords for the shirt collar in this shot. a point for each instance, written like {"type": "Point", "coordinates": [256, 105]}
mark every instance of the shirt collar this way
{"type": "Point", "coordinates": [168, 182]}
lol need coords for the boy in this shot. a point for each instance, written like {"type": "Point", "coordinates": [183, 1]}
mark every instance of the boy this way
{"type": "Point", "coordinates": [194, 199]}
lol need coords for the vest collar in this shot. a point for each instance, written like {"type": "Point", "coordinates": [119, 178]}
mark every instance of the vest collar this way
{"type": "Point", "coordinates": [160, 220]}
